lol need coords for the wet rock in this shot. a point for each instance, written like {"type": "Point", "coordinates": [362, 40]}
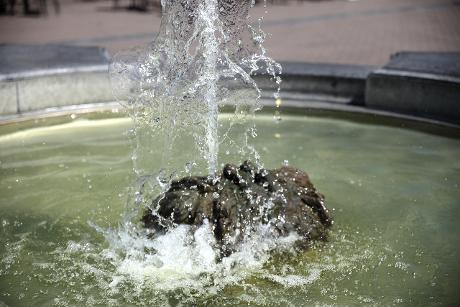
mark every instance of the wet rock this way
{"type": "Point", "coordinates": [240, 199]}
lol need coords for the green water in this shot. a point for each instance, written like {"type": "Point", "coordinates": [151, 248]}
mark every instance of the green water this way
{"type": "Point", "coordinates": [395, 194]}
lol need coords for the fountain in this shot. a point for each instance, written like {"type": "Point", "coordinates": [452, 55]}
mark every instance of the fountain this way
{"type": "Point", "coordinates": [203, 58]}
{"type": "Point", "coordinates": [394, 190]}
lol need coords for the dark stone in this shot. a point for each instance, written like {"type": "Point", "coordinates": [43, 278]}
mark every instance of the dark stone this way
{"type": "Point", "coordinates": [240, 199]}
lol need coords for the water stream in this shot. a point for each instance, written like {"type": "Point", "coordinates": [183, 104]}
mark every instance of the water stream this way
{"type": "Point", "coordinates": [203, 59]}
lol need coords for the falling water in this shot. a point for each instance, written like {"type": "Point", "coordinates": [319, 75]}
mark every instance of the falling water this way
{"type": "Point", "coordinates": [202, 59]}
{"type": "Point", "coordinates": [209, 16]}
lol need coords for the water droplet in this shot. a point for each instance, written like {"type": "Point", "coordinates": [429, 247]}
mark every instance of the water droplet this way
{"type": "Point", "coordinates": [189, 167]}
{"type": "Point", "coordinates": [277, 116]}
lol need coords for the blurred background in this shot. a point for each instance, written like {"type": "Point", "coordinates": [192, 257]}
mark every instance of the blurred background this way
{"type": "Point", "coordinates": [362, 32]}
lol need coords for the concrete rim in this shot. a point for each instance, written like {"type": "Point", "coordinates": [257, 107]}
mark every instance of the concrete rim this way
{"type": "Point", "coordinates": [288, 105]}
{"type": "Point", "coordinates": [401, 93]}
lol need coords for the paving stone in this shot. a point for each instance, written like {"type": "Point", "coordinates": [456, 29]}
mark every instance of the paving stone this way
{"type": "Point", "coordinates": [364, 32]}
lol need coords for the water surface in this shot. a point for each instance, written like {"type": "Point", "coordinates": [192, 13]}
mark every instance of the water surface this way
{"type": "Point", "coordinates": [395, 194]}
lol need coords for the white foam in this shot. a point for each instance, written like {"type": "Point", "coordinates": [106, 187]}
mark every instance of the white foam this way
{"type": "Point", "coordinates": [186, 257]}
{"type": "Point", "coordinates": [296, 280]}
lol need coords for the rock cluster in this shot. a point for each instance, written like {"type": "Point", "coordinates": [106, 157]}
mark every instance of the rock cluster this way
{"type": "Point", "coordinates": [241, 198]}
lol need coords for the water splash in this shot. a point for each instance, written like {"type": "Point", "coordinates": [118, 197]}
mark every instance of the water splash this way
{"type": "Point", "coordinates": [203, 59]}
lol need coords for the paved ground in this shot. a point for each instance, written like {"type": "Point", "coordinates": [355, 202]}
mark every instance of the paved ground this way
{"type": "Point", "coordinates": [352, 32]}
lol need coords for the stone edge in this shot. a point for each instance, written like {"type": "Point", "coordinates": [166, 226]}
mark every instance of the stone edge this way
{"type": "Point", "coordinates": [332, 83]}
{"type": "Point", "coordinates": [312, 102]}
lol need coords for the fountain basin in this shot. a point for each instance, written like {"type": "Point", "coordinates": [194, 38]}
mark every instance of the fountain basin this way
{"type": "Point", "coordinates": [392, 182]}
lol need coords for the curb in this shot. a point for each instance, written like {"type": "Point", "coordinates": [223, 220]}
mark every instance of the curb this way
{"type": "Point", "coordinates": [36, 77]}
{"type": "Point", "coordinates": [347, 82]}
{"type": "Point", "coordinates": [411, 84]}
{"type": "Point", "coordinates": [424, 84]}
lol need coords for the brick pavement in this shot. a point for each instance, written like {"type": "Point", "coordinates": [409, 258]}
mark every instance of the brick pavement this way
{"type": "Point", "coordinates": [352, 32]}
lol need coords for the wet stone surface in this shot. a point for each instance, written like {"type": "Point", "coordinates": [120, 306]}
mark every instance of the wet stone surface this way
{"type": "Point", "coordinates": [241, 199]}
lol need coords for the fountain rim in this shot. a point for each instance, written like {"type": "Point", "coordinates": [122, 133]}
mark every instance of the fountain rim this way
{"type": "Point", "coordinates": [307, 103]}
{"type": "Point", "coordinates": [296, 107]}
{"type": "Point", "coordinates": [81, 81]}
